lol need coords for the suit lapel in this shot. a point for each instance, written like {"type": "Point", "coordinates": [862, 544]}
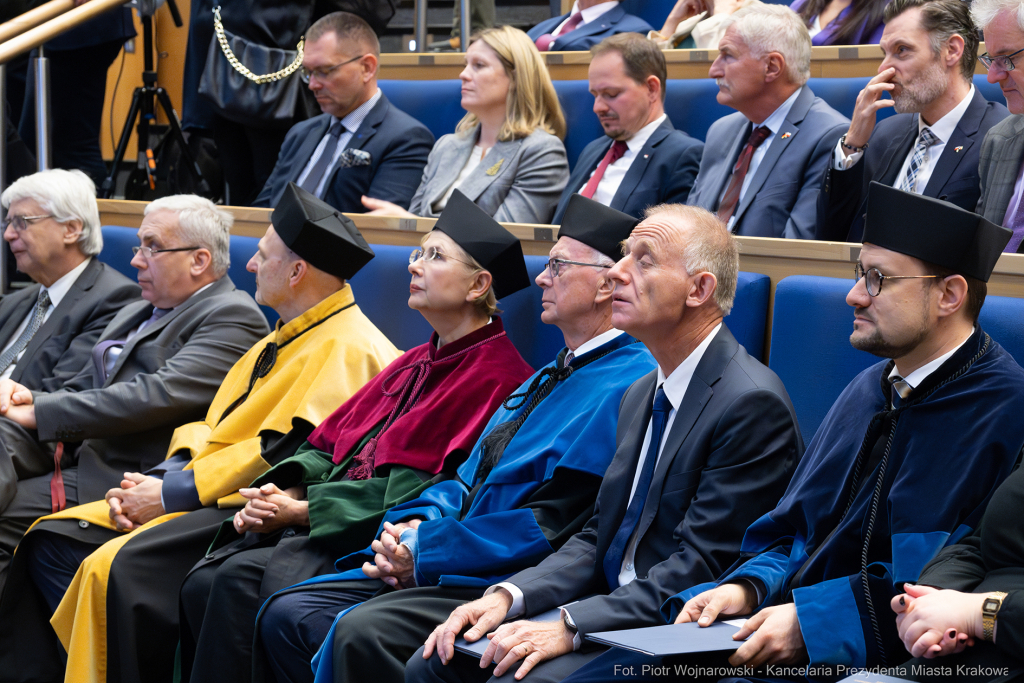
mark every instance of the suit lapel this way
{"type": "Point", "coordinates": [957, 146]}
{"type": "Point", "coordinates": [496, 163]}
{"type": "Point", "coordinates": [454, 155]}
{"type": "Point", "coordinates": [308, 146]}
{"type": "Point", "coordinates": [788, 131]}
{"type": "Point", "coordinates": [639, 165]}
{"type": "Point", "coordinates": [603, 23]}
{"type": "Point", "coordinates": [722, 171]}
{"type": "Point", "coordinates": [366, 130]}
{"type": "Point", "coordinates": [15, 313]}
{"type": "Point", "coordinates": [83, 284]}
{"type": "Point", "coordinates": [895, 154]}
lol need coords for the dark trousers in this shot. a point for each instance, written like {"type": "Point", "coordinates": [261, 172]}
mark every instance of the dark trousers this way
{"type": "Point", "coordinates": [466, 669]}
{"type": "Point", "coordinates": [78, 82]}
{"type": "Point", "coordinates": [247, 156]}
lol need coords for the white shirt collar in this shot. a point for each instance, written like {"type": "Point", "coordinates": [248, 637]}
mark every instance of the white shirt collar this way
{"type": "Point", "coordinates": [640, 138]}
{"type": "Point", "coordinates": [915, 378]}
{"type": "Point", "coordinates": [944, 127]}
{"type": "Point", "coordinates": [778, 117]}
{"type": "Point", "coordinates": [675, 385]}
{"type": "Point", "coordinates": [594, 342]}
{"type": "Point", "coordinates": [59, 289]}
{"type": "Point", "coordinates": [591, 13]}
{"type": "Point", "coordinates": [355, 118]}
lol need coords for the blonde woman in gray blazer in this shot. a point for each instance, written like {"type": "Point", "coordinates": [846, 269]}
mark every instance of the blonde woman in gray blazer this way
{"type": "Point", "coordinates": [506, 154]}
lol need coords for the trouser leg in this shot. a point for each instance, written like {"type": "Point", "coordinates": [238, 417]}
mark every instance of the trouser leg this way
{"type": "Point", "coordinates": [481, 15]}
{"type": "Point", "coordinates": [294, 624]}
{"type": "Point", "coordinates": [31, 501]}
{"type": "Point", "coordinates": [220, 602]}
{"type": "Point", "coordinates": [21, 457]}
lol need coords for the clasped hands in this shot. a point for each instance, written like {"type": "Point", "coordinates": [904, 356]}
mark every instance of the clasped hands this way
{"type": "Point", "coordinates": [16, 403]}
{"type": "Point", "coordinates": [136, 502]}
{"type": "Point", "coordinates": [270, 509]}
{"type": "Point", "coordinates": [934, 622]}
{"type": "Point", "coordinates": [774, 632]}
{"type": "Point", "coordinates": [393, 563]}
{"type": "Point", "coordinates": [530, 641]}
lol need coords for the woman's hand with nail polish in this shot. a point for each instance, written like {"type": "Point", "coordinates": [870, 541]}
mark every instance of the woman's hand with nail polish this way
{"type": "Point", "coordinates": [934, 622]}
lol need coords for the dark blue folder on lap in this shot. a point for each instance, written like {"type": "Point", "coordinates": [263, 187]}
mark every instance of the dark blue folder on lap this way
{"type": "Point", "coordinates": [673, 639]}
{"type": "Point", "coordinates": [477, 648]}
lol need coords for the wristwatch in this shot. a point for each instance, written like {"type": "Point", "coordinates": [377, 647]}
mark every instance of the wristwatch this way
{"type": "Point", "coordinates": [569, 623]}
{"type": "Point", "coordinates": [989, 611]}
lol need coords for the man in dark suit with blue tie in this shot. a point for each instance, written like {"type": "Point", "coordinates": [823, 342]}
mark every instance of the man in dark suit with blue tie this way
{"type": "Point", "coordinates": [589, 22]}
{"type": "Point", "coordinates": [362, 144]}
{"type": "Point", "coordinates": [932, 146]}
{"type": "Point", "coordinates": [642, 161]}
{"type": "Point", "coordinates": [707, 442]}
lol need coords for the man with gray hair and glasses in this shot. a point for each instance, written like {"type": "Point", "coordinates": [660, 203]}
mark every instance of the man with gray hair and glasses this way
{"type": "Point", "coordinates": [156, 365]}
{"type": "Point", "coordinates": [762, 166]}
{"type": "Point", "coordinates": [1002, 151]}
{"type": "Point", "coordinates": [48, 329]}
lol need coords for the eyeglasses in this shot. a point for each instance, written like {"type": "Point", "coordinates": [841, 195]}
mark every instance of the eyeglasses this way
{"type": "Point", "coordinates": [321, 74]}
{"type": "Point", "coordinates": [432, 254]}
{"type": "Point", "coordinates": [555, 265]}
{"type": "Point", "coordinates": [874, 278]}
{"type": "Point", "coordinates": [149, 252]}
{"type": "Point", "coordinates": [1004, 62]}
{"type": "Point", "coordinates": [21, 223]}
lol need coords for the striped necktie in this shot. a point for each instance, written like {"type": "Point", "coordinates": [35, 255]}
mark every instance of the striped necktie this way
{"type": "Point", "coordinates": [918, 160]}
{"type": "Point", "coordinates": [316, 174]}
{"type": "Point", "coordinates": [35, 322]}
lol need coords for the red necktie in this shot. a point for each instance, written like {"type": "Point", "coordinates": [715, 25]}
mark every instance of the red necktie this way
{"type": "Point", "coordinates": [544, 42]}
{"type": "Point", "coordinates": [615, 153]}
{"type": "Point", "coordinates": [739, 172]}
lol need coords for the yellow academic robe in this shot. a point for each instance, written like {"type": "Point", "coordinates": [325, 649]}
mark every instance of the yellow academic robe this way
{"type": "Point", "coordinates": [324, 356]}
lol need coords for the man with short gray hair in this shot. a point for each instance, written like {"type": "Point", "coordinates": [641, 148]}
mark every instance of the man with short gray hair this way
{"type": "Point", "coordinates": [706, 443]}
{"type": "Point", "coordinates": [157, 364]}
{"type": "Point", "coordinates": [1002, 151]}
{"type": "Point", "coordinates": [762, 166]}
{"type": "Point", "coordinates": [931, 146]}
{"type": "Point", "coordinates": [48, 329]}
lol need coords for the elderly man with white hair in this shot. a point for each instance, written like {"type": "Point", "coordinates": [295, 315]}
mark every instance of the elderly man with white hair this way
{"type": "Point", "coordinates": [48, 329]}
{"type": "Point", "coordinates": [762, 166]}
{"type": "Point", "coordinates": [1002, 151]}
{"type": "Point", "coordinates": [156, 365]}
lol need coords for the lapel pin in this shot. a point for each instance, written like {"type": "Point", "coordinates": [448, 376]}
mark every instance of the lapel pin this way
{"type": "Point", "coordinates": [646, 155]}
{"type": "Point", "coordinates": [957, 149]}
{"type": "Point", "coordinates": [493, 170]}
{"type": "Point", "coordinates": [786, 135]}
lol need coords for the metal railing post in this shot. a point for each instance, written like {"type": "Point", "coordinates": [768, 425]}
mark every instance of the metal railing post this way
{"type": "Point", "coordinates": [421, 25]}
{"type": "Point", "coordinates": [42, 83]}
{"type": "Point", "coordinates": [3, 169]}
{"type": "Point", "coordinates": [465, 30]}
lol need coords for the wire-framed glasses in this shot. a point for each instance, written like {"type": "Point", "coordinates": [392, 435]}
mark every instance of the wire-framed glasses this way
{"type": "Point", "coordinates": [1004, 62]}
{"type": "Point", "coordinates": [305, 74]}
{"type": "Point", "coordinates": [21, 223]}
{"type": "Point", "coordinates": [149, 252]}
{"type": "Point", "coordinates": [555, 265]}
{"type": "Point", "coordinates": [873, 278]}
{"type": "Point", "coordinates": [433, 254]}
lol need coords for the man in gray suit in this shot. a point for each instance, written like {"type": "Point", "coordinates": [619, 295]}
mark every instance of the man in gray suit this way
{"type": "Point", "coordinates": [707, 442]}
{"type": "Point", "coordinates": [1002, 152]}
{"type": "Point", "coordinates": [157, 365]}
{"type": "Point", "coordinates": [53, 228]}
{"type": "Point", "coordinates": [762, 167]}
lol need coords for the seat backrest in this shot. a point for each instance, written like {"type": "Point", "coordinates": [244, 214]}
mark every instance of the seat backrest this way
{"type": "Point", "coordinates": [117, 249]}
{"type": "Point", "coordinates": [582, 125]}
{"type": "Point", "coordinates": [1003, 318]}
{"type": "Point", "coordinates": [810, 350]}
{"type": "Point", "coordinates": [749, 313]}
{"type": "Point", "coordinates": [692, 105]}
{"type": "Point", "coordinates": [436, 104]}
{"type": "Point", "coordinates": [990, 91]}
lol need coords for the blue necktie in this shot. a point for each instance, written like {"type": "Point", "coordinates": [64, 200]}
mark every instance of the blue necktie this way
{"type": "Point", "coordinates": [613, 558]}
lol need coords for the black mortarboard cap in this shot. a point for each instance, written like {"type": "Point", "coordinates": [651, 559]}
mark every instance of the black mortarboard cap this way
{"type": "Point", "coordinates": [596, 225]}
{"type": "Point", "coordinates": [483, 238]}
{"type": "Point", "coordinates": [318, 233]}
{"type": "Point", "coordinates": [934, 231]}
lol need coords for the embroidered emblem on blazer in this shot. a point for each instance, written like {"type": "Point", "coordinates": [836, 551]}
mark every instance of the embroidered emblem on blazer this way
{"type": "Point", "coordinates": [786, 135]}
{"type": "Point", "coordinates": [493, 170]}
{"type": "Point", "coordinates": [957, 149]}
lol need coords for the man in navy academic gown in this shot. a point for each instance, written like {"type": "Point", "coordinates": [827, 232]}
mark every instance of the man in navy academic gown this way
{"type": "Point", "coordinates": [529, 485]}
{"type": "Point", "coordinates": [904, 463]}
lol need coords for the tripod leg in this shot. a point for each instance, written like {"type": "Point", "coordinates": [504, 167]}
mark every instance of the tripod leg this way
{"type": "Point", "coordinates": [186, 154]}
{"type": "Point", "coordinates": [107, 189]}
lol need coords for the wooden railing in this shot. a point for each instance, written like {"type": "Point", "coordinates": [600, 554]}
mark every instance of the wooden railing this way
{"type": "Point", "coordinates": [35, 27]}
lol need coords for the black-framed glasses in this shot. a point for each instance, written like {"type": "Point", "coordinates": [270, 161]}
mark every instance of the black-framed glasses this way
{"type": "Point", "coordinates": [555, 265]}
{"type": "Point", "coordinates": [305, 74]}
{"type": "Point", "coordinates": [149, 252]}
{"type": "Point", "coordinates": [1005, 62]}
{"type": "Point", "coordinates": [873, 278]}
{"type": "Point", "coordinates": [21, 223]}
{"type": "Point", "coordinates": [433, 254]}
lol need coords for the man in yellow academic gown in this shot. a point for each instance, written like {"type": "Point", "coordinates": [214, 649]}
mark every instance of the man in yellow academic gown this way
{"type": "Point", "coordinates": [153, 529]}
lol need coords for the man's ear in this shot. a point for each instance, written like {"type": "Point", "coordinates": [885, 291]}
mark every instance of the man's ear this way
{"type": "Point", "coordinates": [297, 273]}
{"type": "Point", "coordinates": [775, 67]}
{"type": "Point", "coordinates": [73, 231]}
{"type": "Point", "coordinates": [202, 259]}
{"type": "Point", "coordinates": [604, 290]}
{"type": "Point", "coordinates": [703, 288]}
{"type": "Point", "coordinates": [953, 295]}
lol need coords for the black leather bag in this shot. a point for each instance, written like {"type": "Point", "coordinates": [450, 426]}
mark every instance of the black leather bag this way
{"type": "Point", "coordinates": [249, 83]}
{"type": "Point", "coordinates": [377, 13]}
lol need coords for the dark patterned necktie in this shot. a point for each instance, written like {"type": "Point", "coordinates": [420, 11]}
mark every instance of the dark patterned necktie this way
{"type": "Point", "coordinates": [316, 174]}
{"type": "Point", "coordinates": [918, 160]}
{"type": "Point", "coordinates": [731, 198]}
{"type": "Point", "coordinates": [35, 322]}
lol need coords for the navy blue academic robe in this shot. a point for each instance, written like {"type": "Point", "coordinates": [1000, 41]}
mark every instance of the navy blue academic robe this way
{"type": "Point", "coordinates": [953, 442]}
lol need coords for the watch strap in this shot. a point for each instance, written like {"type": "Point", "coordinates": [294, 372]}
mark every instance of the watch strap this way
{"type": "Point", "coordinates": [989, 611]}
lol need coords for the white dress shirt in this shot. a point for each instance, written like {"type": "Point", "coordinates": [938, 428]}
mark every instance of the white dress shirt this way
{"type": "Point", "coordinates": [941, 129]}
{"type": "Point", "coordinates": [614, 173]}
{"type": "Point", "coordinates": [595, 342]}
{"type": "Point", "coordinates": [774, 124]}
{"type": "Point", "coordinates": [351, 122]}
{"type": "Point", "coordinates": [58, 290]}
{"type": "Point", "coordinates": [475, 157]}
{"type": "Point", "coordinates": [589, 14]}
{"type": "Point", "coordinates": [675, 386]}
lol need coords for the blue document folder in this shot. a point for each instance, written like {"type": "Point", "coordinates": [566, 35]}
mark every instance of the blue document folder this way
{"type": "Point", "coordinates": [673, 639]}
